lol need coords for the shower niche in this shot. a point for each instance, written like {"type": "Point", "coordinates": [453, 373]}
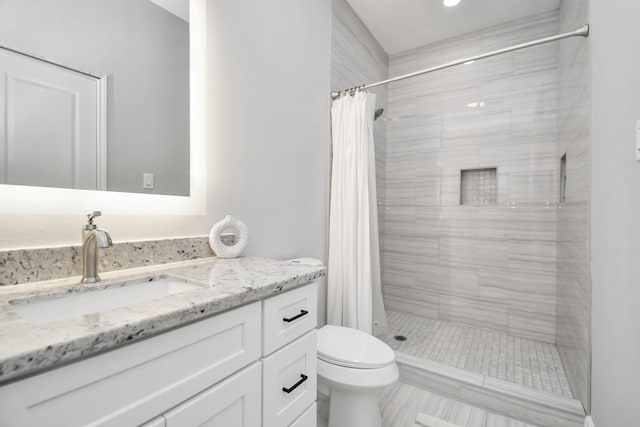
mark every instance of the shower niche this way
{"type": "Point", "coordinates": [479, 187]}
{"type": "Point", "coordinates": [563, 179]}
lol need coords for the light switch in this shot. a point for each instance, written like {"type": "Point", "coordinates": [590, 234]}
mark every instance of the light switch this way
{"type": "Point", "coordinates": [638, 140]}
{"type": "Point", "coordinates": [147, 180]}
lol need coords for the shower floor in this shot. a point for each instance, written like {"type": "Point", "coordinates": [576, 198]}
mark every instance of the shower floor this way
{"type": "Point", "coordinates": [530, 363]}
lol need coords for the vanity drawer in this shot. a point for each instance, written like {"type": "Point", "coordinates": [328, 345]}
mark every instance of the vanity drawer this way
{"type": "Point", "coordinates": [235, 402]}
{"type": "Point", "coordinates": [289, 316]}
{"type": "Point", "coordinates": [308, 419]}
{"type": "Point", "coordinates": [289, 382]}
{"type": "Point", "coordinates": [135, 383]}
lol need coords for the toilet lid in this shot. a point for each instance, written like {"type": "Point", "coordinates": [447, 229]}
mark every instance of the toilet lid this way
{"type": "Point", "coordinates": [352, 348]}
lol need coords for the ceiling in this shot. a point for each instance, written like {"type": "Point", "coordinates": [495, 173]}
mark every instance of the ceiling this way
{"type": "Point", "coordinates": [180, 8]}
{"type": "Point", "coordinates": [401, 25]}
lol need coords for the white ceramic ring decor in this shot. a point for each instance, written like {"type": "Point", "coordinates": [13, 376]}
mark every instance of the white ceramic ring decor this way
{"type": "Point", "coordinates": [235, 226]}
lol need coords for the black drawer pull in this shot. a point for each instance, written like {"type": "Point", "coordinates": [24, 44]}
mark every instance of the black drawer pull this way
{"type": "Point", "coordinates": [297, 316]}
{"type": "Point", "coordinates": [303, 378]}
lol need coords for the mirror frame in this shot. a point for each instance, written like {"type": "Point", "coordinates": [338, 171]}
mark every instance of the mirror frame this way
{"type": "Point", "coordinates": [43, 200]}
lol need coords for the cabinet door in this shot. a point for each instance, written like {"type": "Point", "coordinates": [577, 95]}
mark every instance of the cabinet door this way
{"type": "Point", "coordinates": [308, 419]}
{"type": "Point", "coordinates": [289, 381]}
{"type": "Point", "coordinates": [234, 402]}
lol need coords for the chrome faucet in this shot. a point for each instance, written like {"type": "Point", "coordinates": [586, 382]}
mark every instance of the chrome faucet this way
{"type": "Point", "coordinates": [92, 239]}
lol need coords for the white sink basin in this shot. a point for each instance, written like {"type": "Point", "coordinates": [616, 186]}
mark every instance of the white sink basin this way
{"type": "Point", "coordinates": [51, 309]}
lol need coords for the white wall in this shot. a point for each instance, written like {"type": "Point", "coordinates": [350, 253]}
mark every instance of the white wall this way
{"type": "Point", "coordinates": [615, 213]}
{"type": "Point", "coordinates": [268, 91]}
{"type": "Point", "coordinates": [267, 138]}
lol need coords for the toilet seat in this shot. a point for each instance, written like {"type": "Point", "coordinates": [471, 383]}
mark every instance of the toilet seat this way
{"type": "Point", "coordinates": [352, 348]}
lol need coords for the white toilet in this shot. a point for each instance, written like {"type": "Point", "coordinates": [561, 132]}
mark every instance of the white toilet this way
{"type": "Point", "coordinates": [352, 367]}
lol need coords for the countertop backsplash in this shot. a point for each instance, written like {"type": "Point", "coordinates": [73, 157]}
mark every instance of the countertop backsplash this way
{"type": "Point", "coordinates": [23, 266]}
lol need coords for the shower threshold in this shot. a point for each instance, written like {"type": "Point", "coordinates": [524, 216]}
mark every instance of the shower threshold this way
{"type": "Point", "coordinates": [514, 376]}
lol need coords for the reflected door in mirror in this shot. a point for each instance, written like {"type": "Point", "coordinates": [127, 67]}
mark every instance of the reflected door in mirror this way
{"type": "Point", "coordinates": [48, 125]}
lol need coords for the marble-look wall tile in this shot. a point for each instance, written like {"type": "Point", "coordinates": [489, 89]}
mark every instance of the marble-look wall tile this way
{"type": "Point", "coordinates": [573, 247]}
{"type": "Point", "coordinates": [422, 249]}
{"type": "Point", "coordinates": [459, 221]}
{"type": "Point", "coordinates": [482, 314]}
{"type": "Point", "coordinates": [478, 125]}
{"type": "Point", "coordinates": [518, 223]}
{"type": "Point", "coordinates": [399, 273]}
{"type": "Point", "coordinates": [492, 266]}
{"type": "Point", "coordinates": [427, 190]}
{"type": "Point", "coordinates": [527, 29]}
{"type": "Point", "coordinates": [450, 188]}
{"type": "Point", "coordinates": [521, 155]}
{"type": "Point", "coordinates": [453, 159]}
{"type": "Point", "coordinates": [537, 120]}
{"type": "Point", "coordinates": [400, 220]}
{"type": "Point", "coordinates": [404, 62]}
{"type": "Point", "coordinates": [422, 302]}
{"type": "Point", "coordinates": [534, 187]}
{"type": "Point", "coordinates": [534, 256]}
{"type": "Point", "coordinates": [445, 104]}
{"type": "Point", "coordinates": [447, 280]}
{"type": "Point", "coordinates": [519, 289]}
{"type": "Point", "coordinates": [33, 265]}
{"type": "Point", "coordinates": [522, 88]}
{"type": "Point", "coordinates": [578, 185]}
{"type": "Point", "coordinates": [532, 325]}
{"type": "Point", "coordinates": [536, 58]}
{"type": "Point", "coordinates": [456, 251]}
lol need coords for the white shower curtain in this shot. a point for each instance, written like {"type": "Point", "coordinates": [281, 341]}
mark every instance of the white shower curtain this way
{"type": "Point", "coordinates": [354, 292]}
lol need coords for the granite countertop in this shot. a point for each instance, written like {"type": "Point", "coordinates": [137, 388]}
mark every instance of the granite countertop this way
{"type": "Point", "coordinates": [219, 285]}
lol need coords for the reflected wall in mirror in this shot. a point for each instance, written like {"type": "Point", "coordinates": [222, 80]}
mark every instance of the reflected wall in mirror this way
{"type": "Point", "coordinates": [95, 95]}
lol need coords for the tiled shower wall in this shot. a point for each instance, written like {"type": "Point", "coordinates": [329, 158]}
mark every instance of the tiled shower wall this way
{"type": "Point", "coordinates": [357, 58]}
{"type": "Point", "coordinates": [573, 250]}
{"type": "Point", "coordinates": [490, 266]}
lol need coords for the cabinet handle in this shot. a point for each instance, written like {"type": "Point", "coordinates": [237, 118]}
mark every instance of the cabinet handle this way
{"type": "Point", "coordinates": [303, 378]}
{"type": "Point", "coordinates": [297, 316]}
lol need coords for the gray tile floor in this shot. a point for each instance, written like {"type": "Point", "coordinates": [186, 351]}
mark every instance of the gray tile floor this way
{"type": "Point", "coordinates": [526, 362]}
{"type": "Point", "coordinates": [400, 404]}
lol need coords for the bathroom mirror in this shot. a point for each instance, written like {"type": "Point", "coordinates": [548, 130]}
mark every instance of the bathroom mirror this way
{"type": "Point", "coordinates": [95, 95]}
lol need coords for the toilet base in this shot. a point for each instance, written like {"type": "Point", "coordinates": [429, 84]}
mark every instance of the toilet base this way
{"type": "Point", "coordinates": [349, 409]}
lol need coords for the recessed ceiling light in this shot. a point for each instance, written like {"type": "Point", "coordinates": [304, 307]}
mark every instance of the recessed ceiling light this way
{"type": "Point", "coordinates": [450, 3]}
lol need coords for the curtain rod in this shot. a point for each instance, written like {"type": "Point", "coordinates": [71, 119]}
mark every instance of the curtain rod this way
{"type": "Point", "coordinates": [582, 32]}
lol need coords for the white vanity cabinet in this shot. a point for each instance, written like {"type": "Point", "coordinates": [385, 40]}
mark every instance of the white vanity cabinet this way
{"type": "Point", "coordinates": [214, 372]}
{"type": "Point", "coordinates": [289, 363]}
{"type": "Point", "coordinates": [234, 402]}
